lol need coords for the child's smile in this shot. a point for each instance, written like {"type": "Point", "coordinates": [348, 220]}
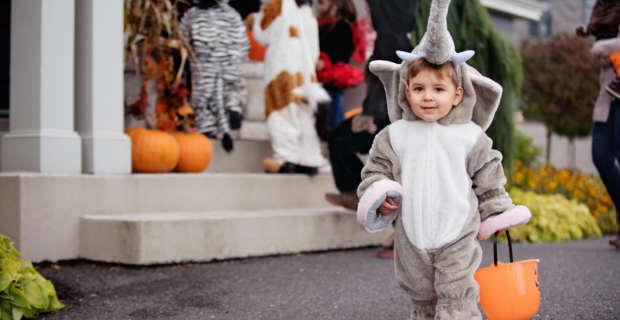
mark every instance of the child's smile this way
{"type": "Point", "coordinates": [431, 98]}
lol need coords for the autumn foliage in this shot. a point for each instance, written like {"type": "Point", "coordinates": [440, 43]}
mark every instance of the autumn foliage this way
{"type": "Point", "coordinates": [561, 82]}
{"type": "Point", "coordinates": [156, 49]}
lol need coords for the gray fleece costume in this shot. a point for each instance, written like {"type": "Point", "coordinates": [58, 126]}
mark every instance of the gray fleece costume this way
{"type": "Point", "coordinates": [448, 182]}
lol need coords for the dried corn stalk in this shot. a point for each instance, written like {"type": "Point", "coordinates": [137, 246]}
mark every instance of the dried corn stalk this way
{"type": "Point", "coordinates": [152, 42]}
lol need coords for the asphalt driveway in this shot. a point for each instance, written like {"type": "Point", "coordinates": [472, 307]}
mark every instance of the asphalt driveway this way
{"type": "Point", "coordinates": [579, 280]}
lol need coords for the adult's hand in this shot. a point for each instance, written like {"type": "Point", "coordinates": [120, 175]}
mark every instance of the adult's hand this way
{"type": "Point", "coordinates": [362, 122]}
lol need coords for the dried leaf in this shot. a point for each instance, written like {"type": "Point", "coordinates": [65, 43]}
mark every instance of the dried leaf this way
{"type": "Point", "coordinates": [152, 39]}
{"type": "Point", "coordinates": [161, 105]}
{"type": "Point", "coordinates": [185, 110]}
{"type": "Point", "coordinates": [183, 92]}
{"type": "Point", "coordinates": [163, 122]}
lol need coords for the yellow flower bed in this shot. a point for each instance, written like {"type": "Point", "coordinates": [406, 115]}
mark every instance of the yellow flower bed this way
{"type": "Point", "coordinates": [554, 218]}
{"type": "Point", "coordinates": [573, 185]}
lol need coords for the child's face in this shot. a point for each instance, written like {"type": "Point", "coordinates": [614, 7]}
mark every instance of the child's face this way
{"type": "Point", "coordinates": [431, 98]}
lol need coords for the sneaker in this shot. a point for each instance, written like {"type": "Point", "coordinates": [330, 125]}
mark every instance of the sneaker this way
{"type": "Point", "coordinates": [306, 170]}
{"type": "Point", "coordinates": [385, 253]}
{"type": "Point", "coordinates": [288, 167]}
{"type": "Point", "coordinates": [614, 89]}
{"type": "Point", "coordinates": [333, 199]}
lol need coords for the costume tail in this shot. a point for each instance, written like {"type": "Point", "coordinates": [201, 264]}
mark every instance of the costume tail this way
{"type": "Point", "coordinates": [314, 93]}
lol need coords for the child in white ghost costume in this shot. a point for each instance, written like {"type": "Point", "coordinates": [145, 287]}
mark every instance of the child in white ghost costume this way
{"type": "Point", "coordinates": [290, 32]}
{"type": "Point", "coordinates": [437, 177]}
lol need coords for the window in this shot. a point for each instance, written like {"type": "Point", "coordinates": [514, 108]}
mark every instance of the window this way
{"type": "Point", "coordinates": [542, 28]}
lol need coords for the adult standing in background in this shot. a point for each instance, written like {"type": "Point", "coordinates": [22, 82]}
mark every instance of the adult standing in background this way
{"type": "Point", "coordinates": [603, 25]}
{"type": "Point", "coordinates": [393, 21]}
{"type": "Point", "coordinates": [245, 7]}
{"type": "Point", "coordinates": [336, 44]}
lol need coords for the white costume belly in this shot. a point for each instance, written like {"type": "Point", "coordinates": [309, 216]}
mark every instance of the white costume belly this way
{"type": "Point", "coordinates": [435, 182]}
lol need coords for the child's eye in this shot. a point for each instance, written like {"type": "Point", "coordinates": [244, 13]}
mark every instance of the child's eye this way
{"type": "Point", "coordinates": [417, 88]}
{"type": "Point", "coordinates": [438, 89]}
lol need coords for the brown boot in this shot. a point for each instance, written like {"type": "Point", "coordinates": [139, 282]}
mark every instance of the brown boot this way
{"type": "Point", "coordinates": [615, 242]}
{"type": "Point", "coordinates": [349, 200]}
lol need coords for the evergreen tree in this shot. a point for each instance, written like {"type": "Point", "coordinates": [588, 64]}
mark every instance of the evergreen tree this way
{"type": "Point", "coordinates": [497, 57]}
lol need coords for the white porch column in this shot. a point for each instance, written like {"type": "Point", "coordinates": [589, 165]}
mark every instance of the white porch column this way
{"type": "Point", "coordinates": [99, 86]}
{"type": "Point", "coordinates": [41, 136]}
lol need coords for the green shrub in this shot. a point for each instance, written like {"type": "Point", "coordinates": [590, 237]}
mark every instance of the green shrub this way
{"type": "Point", "coordinates": [23, 291]}
{"type": "Point", "coordinates": [527, 152]}
{"type": "Point", "coordinates": [573, 184]}
{"type": "Point", "coordinates": [554, 218]}
{"type": "Point", "coordinates": [608, 221]}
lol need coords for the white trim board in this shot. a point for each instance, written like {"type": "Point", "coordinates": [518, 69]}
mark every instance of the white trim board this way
{"type": "Point", "coordinates": [528, 9]}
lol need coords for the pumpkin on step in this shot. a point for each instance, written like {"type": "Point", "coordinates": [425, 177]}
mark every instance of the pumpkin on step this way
{"type": "Point", "coordinates": [196, 152]}
{"type": "Point", "coordinates": [152, 151]}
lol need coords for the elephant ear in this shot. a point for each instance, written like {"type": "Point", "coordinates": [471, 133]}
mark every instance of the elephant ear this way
{"type": "Point", "coordinates": [389, 74]}
{"type": "Point", "coordinates": [488, 97]}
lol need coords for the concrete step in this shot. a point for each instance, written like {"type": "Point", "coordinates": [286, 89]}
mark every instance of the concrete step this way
{"type": "Point", "coordinates": [163, 238]}
{"type": "Point", "coordinates": [41, 212]}
{"type": "Point", "coordinates": [246, 157]}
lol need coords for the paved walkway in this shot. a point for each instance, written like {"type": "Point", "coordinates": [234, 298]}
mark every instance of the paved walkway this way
{"type": "Point", "coordinates": [579, 280]}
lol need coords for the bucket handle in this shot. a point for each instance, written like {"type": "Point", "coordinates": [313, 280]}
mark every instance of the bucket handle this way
{"type": "Point", "coordinates": [495, 247]}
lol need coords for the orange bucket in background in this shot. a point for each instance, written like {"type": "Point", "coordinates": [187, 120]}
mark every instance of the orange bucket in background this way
{"type": "Point", "coordinates": [615, 60]}
{"type": "Point", "coordinates": [509, 291]}
{"type": "Point", "coordinates": [353, 112]}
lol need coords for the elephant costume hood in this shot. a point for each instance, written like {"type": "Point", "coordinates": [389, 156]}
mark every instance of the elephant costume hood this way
{"type": "Point", "coordinates": [481, 95]}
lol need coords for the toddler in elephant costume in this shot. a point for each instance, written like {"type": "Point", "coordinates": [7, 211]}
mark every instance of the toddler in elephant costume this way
{"type": "Point", "coordinates": [434, 165]}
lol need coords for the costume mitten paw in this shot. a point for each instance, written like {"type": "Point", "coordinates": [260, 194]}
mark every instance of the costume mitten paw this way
{"type": "Point", "coordinates": [227, 142]}
{"type": "Point", "coordinates": [514, 217]}
{"type": "Point", "coordinates": [367, 215]}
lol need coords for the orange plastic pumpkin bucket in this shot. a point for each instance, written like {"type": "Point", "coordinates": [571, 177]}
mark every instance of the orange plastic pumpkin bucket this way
{"type": "Point", "coordinates": [615, 60]}
{"type": "Point", "coordinates": [509, 291]}
{"type": "Point", "coordinates": [353, 112]}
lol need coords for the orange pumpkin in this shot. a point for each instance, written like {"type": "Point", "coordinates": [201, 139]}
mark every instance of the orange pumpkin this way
{"type": "Point", "coordinates": [131, 131]}
{"type": "Point", "coordinates": [152, 151]}
{"type": "Point", "coordinates": [196, 152]}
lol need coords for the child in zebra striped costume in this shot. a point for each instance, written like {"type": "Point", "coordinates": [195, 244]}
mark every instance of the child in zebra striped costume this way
{"type": "Point", "coordinates": [218, 37]}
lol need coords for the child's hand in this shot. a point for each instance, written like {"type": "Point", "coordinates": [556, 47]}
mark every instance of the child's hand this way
{"type": "Point", "coordinates": [387, 206]}
{"type": "Point", "coordinates": [372, 128]}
